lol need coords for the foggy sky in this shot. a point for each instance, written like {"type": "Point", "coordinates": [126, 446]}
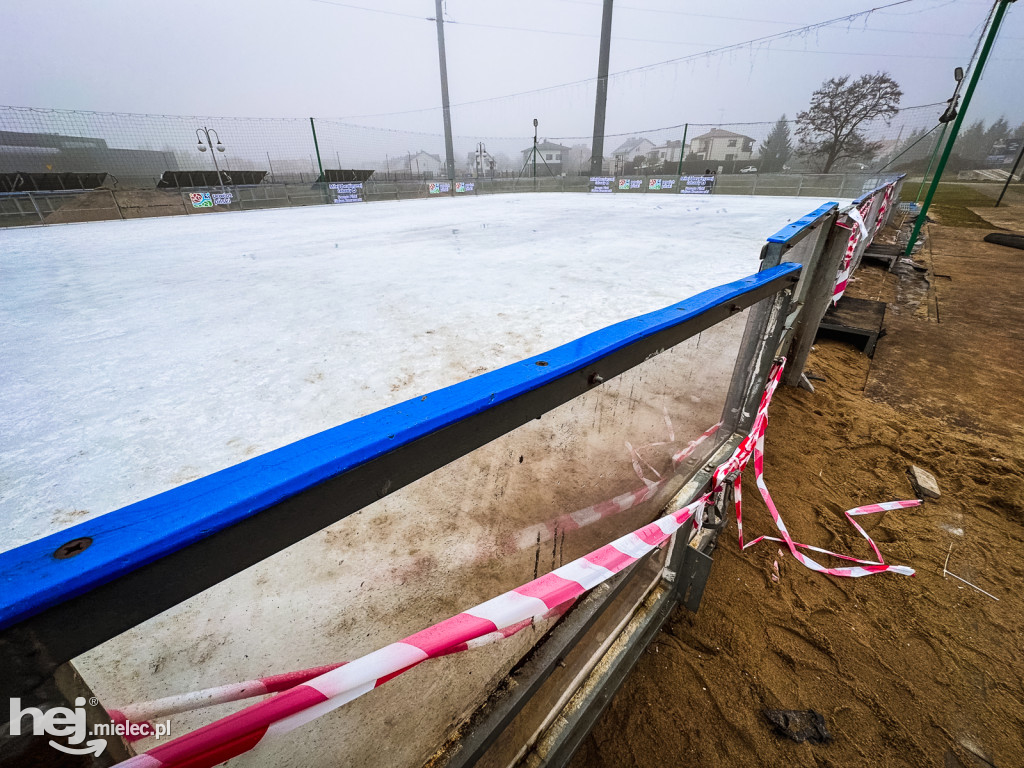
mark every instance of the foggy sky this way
{"type": "Point", "coordinates": [299, 58]}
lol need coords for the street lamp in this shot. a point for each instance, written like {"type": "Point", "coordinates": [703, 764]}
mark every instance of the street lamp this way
{"type": "Point", "coordinates": [204, 131]}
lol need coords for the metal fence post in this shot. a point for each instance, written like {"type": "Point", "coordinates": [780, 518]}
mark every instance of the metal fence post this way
{"type": "Point", "coordinates": [35, 205]}
{"type": "Point", "coordinates": [824, 266]}
{"type": "Point", "coordinates": [316, 146]}
{"type": "Point", "coordinates": [113, 196]}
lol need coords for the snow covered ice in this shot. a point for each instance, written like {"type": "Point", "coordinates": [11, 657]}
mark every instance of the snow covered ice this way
{"type": "Point", "coordinates": [141, 355]}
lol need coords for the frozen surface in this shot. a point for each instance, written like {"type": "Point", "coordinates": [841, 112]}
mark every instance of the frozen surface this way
{"type": "Point", "coordinates": [140, 355]}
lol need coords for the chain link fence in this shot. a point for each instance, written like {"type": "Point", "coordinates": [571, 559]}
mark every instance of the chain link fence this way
{"type": "Point", "coordinates": [60, 165]}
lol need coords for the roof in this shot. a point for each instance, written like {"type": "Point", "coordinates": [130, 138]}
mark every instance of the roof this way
{"type": "Point", "coordinates": [720, 133]}
{"type": "Point", "coordinates": [631, 144]}
{"type": "Point", "coordinates": [545, 146]}
{"type": "Point", "coordinates": [435, 157]}
{"type": "Point", "coordinates": [54, 140]}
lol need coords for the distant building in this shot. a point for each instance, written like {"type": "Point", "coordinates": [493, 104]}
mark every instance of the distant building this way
{"type": "Point", "coordinates": [630, 149]}
{"type": "Point", "coordinates": [720, 145]}
{"type": "Point", "coordinates": [425, 164]}
{"type": "Point", "coordinates": [55, 153]}
{"type": "Point", "coordinates": [669, 152]}
{"type": "Point", "coordinates": [550, 154]}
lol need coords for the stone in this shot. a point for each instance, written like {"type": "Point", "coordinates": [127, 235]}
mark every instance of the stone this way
{"type": "Point", "coordinates": [924, 482]}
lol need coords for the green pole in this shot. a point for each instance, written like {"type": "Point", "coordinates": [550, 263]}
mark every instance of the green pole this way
{"type": "Point", "coordinates": [975, 77]}
{"type": "Point", "coordinates": [316, 146]}
{"type": "Point", "coordinates": [931, 162]}
{"type": "Point", "coordinates": [682, 150]}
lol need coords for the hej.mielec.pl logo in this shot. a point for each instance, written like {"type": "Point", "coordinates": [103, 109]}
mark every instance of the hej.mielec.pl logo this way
{"type": "Point", "coordinates": [70, 726]}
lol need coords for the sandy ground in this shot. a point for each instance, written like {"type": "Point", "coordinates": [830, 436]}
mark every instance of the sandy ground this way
{"type": "Point", "coordinates": [906, 671]}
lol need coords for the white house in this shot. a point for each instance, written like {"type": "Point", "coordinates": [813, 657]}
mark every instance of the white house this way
{"type": "Point", "coordinates": [424, 163]}
{"type": "Point", "coordinates": [722, 146]}
{"type": "Point", "coordinates": [631, 148]}
{"type": "Point", "coordinates": [550, 153]}
{"type": "Point", "coordinates": [668, 152]}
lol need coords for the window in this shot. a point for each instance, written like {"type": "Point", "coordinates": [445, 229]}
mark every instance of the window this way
{"type": "Point", "coordinates": [732, 143]}
{"type": "Point", "coordinates": [729, 157]}
{"type": "Point", "coordinates": [548, 156]}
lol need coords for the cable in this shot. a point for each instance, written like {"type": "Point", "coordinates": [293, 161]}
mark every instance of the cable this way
{"type": "Point", "coordinates": [706, 122]}
{"type": "Point", "coordinates": [901, 154]}
{"type": "Point", "coordinates": [646, 67]}
{"type": "Point", "coordinates": [373, 10]}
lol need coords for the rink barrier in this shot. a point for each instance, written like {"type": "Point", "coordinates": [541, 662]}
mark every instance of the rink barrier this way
{"type": "Point", "coordinates": [845, 238]}
{"type": "Point", "coordinates": [144, 558]}
{"type": "Point", "coordinates": [315, 695]}
{"type": "Point", "coordinates": [126, 203]}
{"type": "Point", "coordinates": [140, 570]}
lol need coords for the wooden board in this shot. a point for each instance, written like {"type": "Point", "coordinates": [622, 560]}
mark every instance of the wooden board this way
{"type": "Point", "coordinates": [859, 320]}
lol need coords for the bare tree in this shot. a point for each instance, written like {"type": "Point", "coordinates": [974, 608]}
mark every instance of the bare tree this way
{"type": "Point", "coordinates": [831, 128]}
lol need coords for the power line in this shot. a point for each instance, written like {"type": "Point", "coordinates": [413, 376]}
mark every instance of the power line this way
{"type": "Point", "coordinates": [643, 68]}
{"type": "Point", "coordinates": [692, 123]}
{"type": "Point", "coordinates": [587, 35]}
{"type": "Point", "coordinates": [373, 10]}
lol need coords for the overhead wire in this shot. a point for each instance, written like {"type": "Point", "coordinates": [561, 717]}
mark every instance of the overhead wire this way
{"type": "Point", "coordinates": [655, 65]}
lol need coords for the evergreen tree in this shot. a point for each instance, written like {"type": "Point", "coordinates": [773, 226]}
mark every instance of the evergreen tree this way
{"type": "Point", "coordinates": [912, 148]}
{"type": "Point", "coordinates": [997, 133]}
{"type": "Point", "coordinates": [970, 144]}
{"type": "Point", "coordinates": [776, 149]}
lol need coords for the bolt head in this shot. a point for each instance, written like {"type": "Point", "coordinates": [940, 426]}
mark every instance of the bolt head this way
{"type": "Point", "coordinates": [73, 547]}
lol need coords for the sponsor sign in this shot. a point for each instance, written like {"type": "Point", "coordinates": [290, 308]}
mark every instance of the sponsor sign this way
{"type": "Point", "coordinates": [210, 199]}
{"type": "Point", "coordinates": [696, 185]}
{"type": "Point", "coordinates": [601, 183]}
{"type": "Point", "coordinates": [347, 191]}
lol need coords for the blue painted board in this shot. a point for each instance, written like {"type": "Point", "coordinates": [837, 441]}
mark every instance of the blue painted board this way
{"type": "Point", "coordinates": [796, 229]}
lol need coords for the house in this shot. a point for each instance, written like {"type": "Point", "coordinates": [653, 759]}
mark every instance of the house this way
{"type": "Point", "coordinates": [549, 153]}
{"type": "Point", "coordinates": [630, 149]}
{"type": "Point", "coordinates": [425, 164]}
{"type": "Point", "coordinates": [669, 152]}
{"type": "Point", "coordinates": [720, 145]}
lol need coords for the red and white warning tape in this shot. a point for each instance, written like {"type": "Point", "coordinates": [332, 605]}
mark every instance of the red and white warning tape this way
{"type": "Point", "coordinates": [242, 731]}
{"type": "Point", "coordinates": [858, 232]}
{"type": "Point", "coordinates": [863, 567]}
{"type": "Point", "coordinates": [573, 521]}
{"type": "Point", "coordinates": [492, 620]}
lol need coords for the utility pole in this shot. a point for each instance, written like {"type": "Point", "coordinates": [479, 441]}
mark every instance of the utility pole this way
{"type": "Point", "coordinates": [449, 152]}
{"type": "Point", "coordinates": [682, 150]}
{"type": "Point", "coordinates": [993, 30]}
{"type": "Point", "coordinates": [597, 153]}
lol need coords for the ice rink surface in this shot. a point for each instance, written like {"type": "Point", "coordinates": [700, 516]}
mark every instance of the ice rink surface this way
{"type": "Point", "coordinates": [140, 355]}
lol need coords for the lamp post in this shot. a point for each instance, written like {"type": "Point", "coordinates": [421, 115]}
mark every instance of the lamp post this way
{"type": "Point", "coordinates": [535, 149]}
{"type": "Point", "coordinates": [204, 131]}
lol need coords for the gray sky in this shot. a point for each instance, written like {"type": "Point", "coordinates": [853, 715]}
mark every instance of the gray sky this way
{"type": "Point", "coordinates": [295, 58]}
